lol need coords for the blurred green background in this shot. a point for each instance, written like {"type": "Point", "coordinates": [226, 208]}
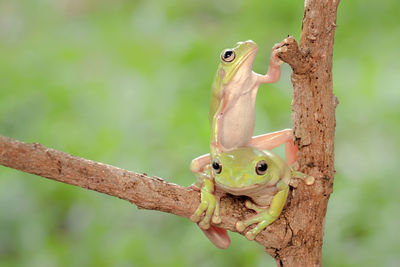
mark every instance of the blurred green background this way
{"type": "Point", "coordinates": [127, 83]}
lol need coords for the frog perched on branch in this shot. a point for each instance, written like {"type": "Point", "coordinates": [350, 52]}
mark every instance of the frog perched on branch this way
{"type": "Point", "coordinates": [238, 163]}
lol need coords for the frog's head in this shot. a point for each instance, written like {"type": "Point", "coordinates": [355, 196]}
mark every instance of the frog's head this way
{"type": "Point", "coordinates": [237, 61]}
{"type": "Point", "coordinates": [246, 168]}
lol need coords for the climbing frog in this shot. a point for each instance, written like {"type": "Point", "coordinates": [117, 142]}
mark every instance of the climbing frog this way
{"type": "Point", "coordinates": [238, 163]}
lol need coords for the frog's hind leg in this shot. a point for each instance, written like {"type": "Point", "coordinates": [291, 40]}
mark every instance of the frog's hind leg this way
{"type": "Point", "coordinates": [198, 164]}
{"type": "Point", "coordinates": [264, 216]}
{"type": "Point", "coordinates": [291, 152]}
{"type": "Point", "coordinates": [271, 140]}
{"type": "Point", "coordinates": [218, 236]}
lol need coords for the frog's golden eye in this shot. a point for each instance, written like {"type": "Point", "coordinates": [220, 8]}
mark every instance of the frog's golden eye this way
{"type": "Point", "coordinates": [228, 55]}
{"type": "Point", "coordinates": [261, 167]}
{"type": "Point", "coordinates": [216, 165]}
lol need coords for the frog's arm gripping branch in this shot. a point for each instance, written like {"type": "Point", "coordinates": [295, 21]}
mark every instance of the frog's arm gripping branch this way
{"type": "Point", "coordinates": [145, 192]}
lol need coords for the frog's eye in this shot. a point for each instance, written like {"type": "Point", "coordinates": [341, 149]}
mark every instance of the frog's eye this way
{"type": "Point", "coordinates": [261, 167]}
{"type": "Point", "coordinates": [216, 165]}
{"type": "Point", "coordinates": [228, 55]}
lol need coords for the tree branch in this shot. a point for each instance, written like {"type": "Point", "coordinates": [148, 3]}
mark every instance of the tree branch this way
{"type": "Point", "coordinates": [314, 123]}
{"type": "Point", "coordinates": [146, 192]}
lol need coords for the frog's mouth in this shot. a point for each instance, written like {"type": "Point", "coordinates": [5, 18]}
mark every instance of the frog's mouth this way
{"type": "Point", "coordinates": [241, 190]}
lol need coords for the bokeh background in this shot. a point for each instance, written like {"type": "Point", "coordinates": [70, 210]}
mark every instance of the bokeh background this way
{"type": "Point", "coordinates": [127, 83]}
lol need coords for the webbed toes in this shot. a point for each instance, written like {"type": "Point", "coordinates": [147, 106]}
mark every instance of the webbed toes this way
{"type": "Point", "coordinates": [199, 211]}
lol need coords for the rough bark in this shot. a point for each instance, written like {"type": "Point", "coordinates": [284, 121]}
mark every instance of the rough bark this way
{"type": "Point", "coordinates": [314, 123]}
{"type": "Point", "coordinates": [295, 239]}
{"type": "Point", "coordinates": [146, 192]}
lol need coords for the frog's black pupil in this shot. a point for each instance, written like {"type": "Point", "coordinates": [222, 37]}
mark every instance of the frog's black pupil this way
{"type": "Point", "coordinates": [216, 166]}
{"type": "Point", "coordinates": [227, 54]}
{"type": "Point", "coordinates": [262, 167]}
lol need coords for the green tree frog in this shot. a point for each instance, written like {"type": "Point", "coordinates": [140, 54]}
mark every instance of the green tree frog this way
{"type": "Point", "coordinates": [238, 163]}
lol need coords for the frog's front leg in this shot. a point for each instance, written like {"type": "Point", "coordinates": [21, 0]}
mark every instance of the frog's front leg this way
{"type": "Point", "coordinates": [209, 204]}
{"type": "Point", "coordinates": [274, 70]}
{"type": "Point", "coordinates": [265, 216]}
{"type": "Point", "coordinates": [198, 164]}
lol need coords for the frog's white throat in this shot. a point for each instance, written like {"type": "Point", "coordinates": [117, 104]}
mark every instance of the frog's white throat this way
{"type": "Point", "coordinates": [260, 194]}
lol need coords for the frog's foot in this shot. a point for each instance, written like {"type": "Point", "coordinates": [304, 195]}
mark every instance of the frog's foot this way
{"type": "Point", "coordinates": [262, 219]}
{"type": "Point", "coordinates": [275, 60]}
{"type": "Point", "coordinates": [279, 48]}
{"type": "Point", "coordinates": [295, 166]}
{"type": "Point", "coordinates": [218, 236]}
{"type": "Point", "coordinates": [309, 180]}
{"type": "Point", "coordinates": [210, 206]}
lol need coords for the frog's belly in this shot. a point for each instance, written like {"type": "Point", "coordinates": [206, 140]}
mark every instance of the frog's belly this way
{"type": "Point", "coordinates": [237, 125]}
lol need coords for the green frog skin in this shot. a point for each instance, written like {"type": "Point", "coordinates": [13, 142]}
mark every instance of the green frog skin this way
{"type": "Point", "coordinates": [238, 163]}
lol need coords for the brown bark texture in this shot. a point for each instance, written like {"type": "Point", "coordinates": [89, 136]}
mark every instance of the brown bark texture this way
{"type": "Point", "coordinates": [295, 239]}
{"type": "Point", "coordinates": [313, 116]}
{"type": "Point", "coordinates": [145, 192]}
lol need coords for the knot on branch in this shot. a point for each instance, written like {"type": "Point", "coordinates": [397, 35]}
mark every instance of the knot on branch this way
{"type": "Point", "coordinates": [292, 55]}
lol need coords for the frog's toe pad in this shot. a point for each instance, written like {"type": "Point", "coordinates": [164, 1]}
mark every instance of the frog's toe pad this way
{"type": "Point", "coordinates": [204, 225]}
{"type": "Point", "coordinates": [195, 218]}
{"type": "Point", "coordinates": [240, 226]}
{"type": "Point", "coordinates": [250, 236]}
{"type": "Point", "coordinates": [216, 219]}
{"type": "Point", "coordinates": [310, 180]}
{"type": "Point", "coordinates": [282, 49]}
